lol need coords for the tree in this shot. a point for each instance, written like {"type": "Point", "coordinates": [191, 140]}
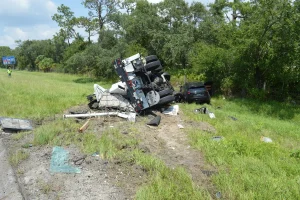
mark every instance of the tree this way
{"type": "Point", "coordinates": [45, 64]}
{"type": "Point", "coordinates": [89, 24]}
{"type": "Point", "coordinates": [101, 10]}
{"type": "Point", "coordinates": [66, 20]}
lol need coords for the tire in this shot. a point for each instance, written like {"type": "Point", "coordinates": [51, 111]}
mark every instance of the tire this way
{"type": "Point", "coordinates": [179, 98]}
{"type": "Point", "coordinates": [167, 99]}
{"type": "Point", "coordinates": [151, 58]}
{"type": "Point", "coordinates": [153, 65]}
{"type": "Point", "coordinates": [165, 92]}
{"type": "Point", "coordinates": [157, 69]}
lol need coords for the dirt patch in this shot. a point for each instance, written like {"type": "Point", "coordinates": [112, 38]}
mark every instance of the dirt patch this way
{"type": "Point", "coordinates": [103, 179]}
{"type": "Point", "coordinates": [170, 143]}
{"type": "Point", "coordinates": [99, 178]}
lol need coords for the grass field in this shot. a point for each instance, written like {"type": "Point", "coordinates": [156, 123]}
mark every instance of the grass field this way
{"type": "Point", "coordinates": [247, 167]}
{"type": "Point", "coordinates": [37, 95]}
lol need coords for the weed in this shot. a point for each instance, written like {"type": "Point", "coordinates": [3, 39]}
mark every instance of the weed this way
{"type": "Point", "coordinates": [248, 167]}
{"type": "Point", "coordinates": [21, 135]}
{"type": "Point", "coordinates": [17, 157]}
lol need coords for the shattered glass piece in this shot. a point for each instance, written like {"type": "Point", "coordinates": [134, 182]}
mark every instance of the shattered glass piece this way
{"type": "Point", "coordinates": [59, 162]}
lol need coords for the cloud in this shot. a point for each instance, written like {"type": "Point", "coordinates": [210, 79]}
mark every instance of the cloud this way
{"type": "Point", "coordinates": [25, 12]}
{"type": "Point", "coordinates": [38, 32]}
{"type": "Point", "coordinates": [26, 19]}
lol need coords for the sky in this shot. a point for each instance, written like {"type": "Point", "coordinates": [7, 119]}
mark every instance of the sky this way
{"type": "Point", "coordinates": [31, 19]}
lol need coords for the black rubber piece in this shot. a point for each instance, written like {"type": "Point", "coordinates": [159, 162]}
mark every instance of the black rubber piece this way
{"type": "Point", "coordinates": [158, 69]}
{"type": "Point", "coordinates": [155, 121]}
{"type": "Point", "coordinates": [179, 97]}
{"type": "Point", "coordinates": [167, 99]}
{"type": "Point", "coordinates": [151, 58]}
{"type": "Point", "coordinates": [165, 92]}
{"type": "Point", "coordinates": [152, 65]}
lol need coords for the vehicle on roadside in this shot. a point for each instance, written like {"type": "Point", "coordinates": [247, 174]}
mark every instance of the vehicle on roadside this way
{"type": "Point", "coordinates": [194, 92]}
{"type": "Point", "coordinates": [142, 84]}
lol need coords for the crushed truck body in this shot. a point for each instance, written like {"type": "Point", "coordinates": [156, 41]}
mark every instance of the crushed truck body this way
{"type": "Point", "coordinates": [143, 84]}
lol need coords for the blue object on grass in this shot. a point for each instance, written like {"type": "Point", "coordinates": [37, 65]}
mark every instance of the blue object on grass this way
{"type": "Point", "coordinates": [59, 162]}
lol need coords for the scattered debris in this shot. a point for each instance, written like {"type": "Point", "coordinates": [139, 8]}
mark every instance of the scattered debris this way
{"type": "Point", "coordinates": [15, 124]}
{"type": "Point", "coordinates": [155, 121]}
{"type": "Point", "coordinates": [80, 160]}
{"type": "Point", "coordinates": [180, 126]}
{"type": "Point", "coordinates": [218, 195]}
{"type": "Point", "coordinates": [129, 116]}
{"type": "Point", "coordinates": [233, 118]}
{"type": "Point", "coordinates": [202, 110]}
{"type": "Point", "coordinates": [172, 110]}
{"type": "Point", "coordinates": [84, 126]}
{"type": "Point", "coordinates": [208, 173]}
{"type": "Point", "coordinates": [96, 154]}
{"type": "Point", "coordinates": [265, 139]}
{"type": "Point", "coordinates": [211, 115]}
{"type": "Point", "coordinates": [217, 138]}
{"type": "Point", "coordinates": [59, 162]}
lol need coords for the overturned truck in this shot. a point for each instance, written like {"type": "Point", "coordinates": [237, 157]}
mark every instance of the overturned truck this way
{"type": "Point", "coordinates": [143, 84]}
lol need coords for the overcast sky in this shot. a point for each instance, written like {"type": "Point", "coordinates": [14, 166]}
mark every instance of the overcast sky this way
{"type": "Point", "coordinates": [31, 19]}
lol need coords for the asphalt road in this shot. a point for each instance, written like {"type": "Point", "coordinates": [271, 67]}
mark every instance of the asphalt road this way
{"type": "Point", "coordinates": [9, 188]}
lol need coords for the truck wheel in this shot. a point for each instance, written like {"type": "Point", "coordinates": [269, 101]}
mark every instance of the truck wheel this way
{"type": "Point", "coordinates": [151, 58]}
{"type": "Point", "coordinates": [165, 92]}
{"type": "Point", "coordinates": [178, 98]}
{"type": "Point", "coordinates": [158, 69]}
{"type": "Point", "coordinates": [152, 65]}
{"type": "Point", "coordinates": [167, 99]}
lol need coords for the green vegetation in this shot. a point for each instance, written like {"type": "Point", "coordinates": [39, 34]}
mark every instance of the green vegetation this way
{"type": "Point", "coordinates": [17, 157]}
{"type": "Point", "coordinates": [248, 167]}
{"type": "Point", "coordinates": [37, 95]}
{"type": "Point", "coordinates": [247, 48]}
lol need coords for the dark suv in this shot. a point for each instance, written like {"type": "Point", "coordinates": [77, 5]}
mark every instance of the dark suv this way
{"type": "Point", "coordinates": [193, 92]}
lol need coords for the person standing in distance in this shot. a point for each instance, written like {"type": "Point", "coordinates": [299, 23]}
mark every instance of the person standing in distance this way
{"type": "Point", "coordinates": [9, 72]}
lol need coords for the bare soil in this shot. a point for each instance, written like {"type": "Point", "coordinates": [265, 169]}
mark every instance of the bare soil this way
{"type": "Point", "coordinates": [103, 179]}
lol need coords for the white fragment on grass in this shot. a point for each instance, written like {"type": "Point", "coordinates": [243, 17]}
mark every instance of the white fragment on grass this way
{"type": "Point", "coordinates": [212, 115]}
{"type": "Point", "coordinates": [180, 126]}
{"type": "Point", "coordinates": [265, 139]}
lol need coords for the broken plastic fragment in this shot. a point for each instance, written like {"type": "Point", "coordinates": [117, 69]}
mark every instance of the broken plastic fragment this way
{"type": "Point", "coordinates": [265, 139]}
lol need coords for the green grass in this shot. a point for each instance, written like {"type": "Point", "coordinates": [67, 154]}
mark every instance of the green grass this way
{"type": "Point", "coordinates": [248, 167]}
{"type": "Point", "coordinates": [17, 157]}
{"type": "Point", "coordinates": [36, 95]}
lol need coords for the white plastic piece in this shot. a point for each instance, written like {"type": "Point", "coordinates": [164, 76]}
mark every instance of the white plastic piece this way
{"type": "Point", "coordinates": [118, 88]}
{"type": "Point", "coordinates": [180, 126]}
{"type": "Point", "coordinates": [129, 68]}
{"type": "Point", "coordinates": [128, 116]}
{"type": "Point", "coordinates": [98, 91]}
{"type": "Point", "coordinates": [172, 110]}
{"type": "Point", "coordinates": [152, 97]}
{"type": "Point", "coordinates": [266, 139]}
{"type": "Point", "coordinates": [127, 61]}
{"type": "Point", "coordinates": [211, 115]}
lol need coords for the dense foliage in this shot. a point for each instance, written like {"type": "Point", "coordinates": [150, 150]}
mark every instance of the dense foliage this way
{"type": "Point", "coordinates": [248, 48]}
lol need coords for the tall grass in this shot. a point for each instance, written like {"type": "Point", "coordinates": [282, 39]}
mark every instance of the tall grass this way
{"type": "Point", "coordinates": [248, 167]}
{"type": "Point", "coordinates": [36, 95]}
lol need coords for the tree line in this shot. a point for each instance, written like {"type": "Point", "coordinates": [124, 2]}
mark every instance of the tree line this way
{"type": "Point", "coordinates": [248, 48]}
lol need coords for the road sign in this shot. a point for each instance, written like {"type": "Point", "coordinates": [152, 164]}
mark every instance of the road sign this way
{"type": "Point", "coordinates": [9, 60]}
